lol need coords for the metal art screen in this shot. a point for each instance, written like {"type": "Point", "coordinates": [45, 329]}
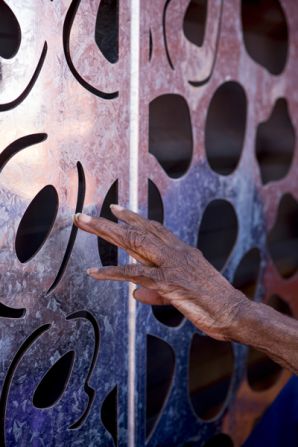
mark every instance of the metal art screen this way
{"type": "Point", "coordinates": [186, 111]}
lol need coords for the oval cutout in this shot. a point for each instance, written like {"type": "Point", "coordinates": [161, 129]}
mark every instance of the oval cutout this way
{"type": "Point", "coordinates": [283, 238]}
{"type": "Point", "coordinates": [108, 252]}
{"type": "Point", "coordinates": [262, 372]}
{"type": "Point", "coordinates": [36, 223]}
{"type": "Point", "coordinates": [211, 364]}
{"type": "Point", "coordinates": [218, 232]}
{"type": "Point", "coordinates": [10, 34]}
{"type": "Point", "coordinates": [265, 33]}
{"type": "Point", "coordinates": [107, 29]}
{"type": "Point", "coordinates": [247, 273]}
{"type": "Point", "coordinates": [225, 127]}
{"type": "Point", "coordinates": [160, 371]}
{"type": "Point", "coordinates": [170, 133]}
{"type": "Point", "coordinates": [54, 383]}
{"type": "Point", "coordinates": [194, 23]}
{"type": "Point", "coordinates": [275, 143]}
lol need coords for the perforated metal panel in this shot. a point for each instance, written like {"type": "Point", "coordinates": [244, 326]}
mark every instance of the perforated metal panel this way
{"type": "Point", "coordinates": [211, 86]}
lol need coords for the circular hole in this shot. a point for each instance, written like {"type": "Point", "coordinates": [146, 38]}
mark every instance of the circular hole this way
{"type": "Point", "coordinates": [211, 365]}
{"type": "Point", "coordinates": [218, 232]}
{"type": "Point", "coordinates": [36, 223]}
{"type": "Point", "coordinates": [265, 33]}
{"type": "Point", "coordinates": [225, 127]}
{"type": "Point", "coordinates": [170, 133]}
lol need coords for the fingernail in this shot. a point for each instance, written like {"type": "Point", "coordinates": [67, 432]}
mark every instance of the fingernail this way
{"type": "Point", "coordinates": [91, 271]}
{"type": "Point", "coordinates": [83, 218]}
{"type": "Point", "coordinates": [116, 207]}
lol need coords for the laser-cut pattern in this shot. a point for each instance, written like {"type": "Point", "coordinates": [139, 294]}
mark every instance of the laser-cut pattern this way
{"type": "Point", "coordinates": [72, 101]}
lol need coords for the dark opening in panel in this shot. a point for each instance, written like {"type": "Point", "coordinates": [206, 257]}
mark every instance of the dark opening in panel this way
{"type": "Point", "coordinates": [219, 440]}
{"type": "Point", "coordinates": [107, 29]}
{"type": "Point", "coordinates": [283, 238]}
{"type": "Point", "coordinates": [275, 143]}
{"type": "Point", "coordinates": [247, 273]}
{"type": "Point", "coordinates": [170, 133]}
{"type": "Point", "coordinates": [108, 252]}
{"type": "Point", "coordinates": [160, 370]}
{"type": "Point", "coordinates": [211, 364]}
{"type": "Point", "coordinates": [262, 372]}
{"type": "Point", "coordinates": [265, 33]}
{"type": "Point", "coordinates": [109, 414]}
{"type": "Point", "coordinates": [11, 312]}
{"type": "Point", "coordinates": [167, 315]}
{"type": "Point", "coordinates": [218, 232]}
{"type": "Point", "coordinates": [10, 32]}
{"type": "Point", "coordinates": [225, 127]}
{"type": "Point", "coordinates": [54, 383]}
{"type": "Point", "coordinates": [194, 24]}
{"type": "Point", "coordinates": [36, 223]}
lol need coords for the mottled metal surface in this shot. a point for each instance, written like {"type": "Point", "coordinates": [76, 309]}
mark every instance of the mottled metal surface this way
{"type": "Point", "coordinates": [81, 126]}
{"type": "Point", "coordinates": [66, 89]}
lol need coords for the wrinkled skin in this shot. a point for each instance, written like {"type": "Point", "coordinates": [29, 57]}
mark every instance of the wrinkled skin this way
{"type": "Point", "coordinates": [169, 271]}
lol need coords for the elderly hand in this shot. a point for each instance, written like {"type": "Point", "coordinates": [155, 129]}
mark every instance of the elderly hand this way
{"type": "Point", "coordinates": [168, 271]}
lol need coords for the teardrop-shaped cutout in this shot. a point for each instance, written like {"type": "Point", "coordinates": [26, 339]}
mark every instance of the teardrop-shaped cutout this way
{"type": "Point", "coordinates": [107, 29]}
{"type": "Point", "coordinates": [225, 127]}
{"type": "Point", "coordinates": [275, 143]}
{"type": "Point", "coordinates": [54, 383]}
{"type": "Point", "coordinates": [36, 223]}
{"type": "Point", "coordinates": [109, 411]}
{"type": "Point", "coordinates": [265, 33]}
{"type": "Point", "coordinates": [218, 232]}
{"type": "Point", "coordinates": [108, 252]}
{"type": "Point", "coordinates": [170, 133]}
{"type": "Point", "coordinates": [10, 32]}
{"type": "Point", "coordinates": [194, 24]}
{"type": "Point", "coordinates": [247, 273]}
{"type": "Point", "coordinates": [211, 364]}
{"type": "Point", "coordinates": [283, 238]}
{"type": "Point", "coordinates": [160, 370]}
{"type": "Point", "coordinates": [219, 440]}
{"type": "Point", "coordinates": [262, 372]}
{"type": "Point", "coordinates": [167, 315]}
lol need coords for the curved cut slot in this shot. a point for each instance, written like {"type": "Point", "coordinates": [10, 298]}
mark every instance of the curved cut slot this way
{"type": "Point", "coordinates": [211, 364]}
{"type": "Point", "coordinates": [108, 252]}
{"type": "Point", "coordinates": [225, 127]}
{"type": "Point", "coordinates": [219, 440]}
{"type": "Point", "coordinates": [109, 414]}
{"type": "Point", "coordinates": [167, 315]}
{"type": "Point", "coordinates": [275, 143]}
{"type": "Point", "coordinates": [10, 32]}
{"type": "Point", "coordinates": [194, 24]}
{"type": "Point", "coordinates": [262, 372]}
{"type": "Point", "coordinates": [265, 33]}
{"type": "Point", "coordinates": [107, 29]}
{"type": "Point", "coordinates": [10, 312]}
{"type": "Point", "coordinates": [170, 134]}
{"type": "Point", "coordinates": [36, 223]}
{"type": "Point", "coordinates": [54, 383]}
{"type": "Point", "coordinates": [247, 273]}
{"type": "Point", "coordinates": [283, 238]}
{"type": "Point", "coordinates": [160, 371]}
{"type": "Point", "coordinates": [218, 232]}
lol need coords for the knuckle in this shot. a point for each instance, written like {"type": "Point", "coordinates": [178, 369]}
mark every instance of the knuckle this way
{"type": "Point", "coordinates": [135, 239]}
{"type": "Point", "coordinates": [156, 225]}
